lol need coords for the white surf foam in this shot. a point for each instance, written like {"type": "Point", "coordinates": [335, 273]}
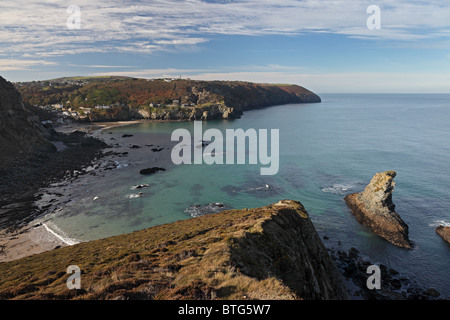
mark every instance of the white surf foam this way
{"type": "Point", "coordinates": [339, 188]}
{"type": "Point", "coordinates": [436, 223]}
{"type": "Point", "coordinates": [132, 196]}
{"type": "Point", "coordinates": [57, 232]}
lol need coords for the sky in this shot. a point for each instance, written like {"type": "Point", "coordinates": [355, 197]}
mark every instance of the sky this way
{"type": "Point", "coordinates": [325, 46]}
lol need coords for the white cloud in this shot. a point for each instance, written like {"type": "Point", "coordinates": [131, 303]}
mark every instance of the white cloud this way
{"type": "Point", "coordinates": [17, 64]}
{"type": "Point", "coordinates": [39, 27]}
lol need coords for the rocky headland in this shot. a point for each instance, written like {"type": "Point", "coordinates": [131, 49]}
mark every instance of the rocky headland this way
{"type": "Point", "coordinates": [374, 208]}
{"type": "Point", "coordinates": [178, 99]}
{"type": "Point", "coordinates": [273, 252]}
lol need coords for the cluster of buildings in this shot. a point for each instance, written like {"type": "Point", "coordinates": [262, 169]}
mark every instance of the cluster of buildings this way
{"type": "Point", "coordinates": [61, 112]}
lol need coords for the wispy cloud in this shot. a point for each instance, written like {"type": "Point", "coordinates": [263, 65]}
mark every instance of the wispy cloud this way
{"type": "Point", "coordinates": [99, 66]}
{"type": "Point", "coordinates": [39, 27]}
{"type": "Point", "coordinates": [17, 64]}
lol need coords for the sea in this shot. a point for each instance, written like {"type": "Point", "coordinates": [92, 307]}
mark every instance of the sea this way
{"type": "Point", "coordinates": [326, 150]}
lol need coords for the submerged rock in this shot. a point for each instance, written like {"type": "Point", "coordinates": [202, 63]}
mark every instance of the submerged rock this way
{"type": "Point", "coordinates": [374, 208]}
{"type": "Point", "coordinates": [139, 186]}
{"type": "Point", "coordinates": [444, 232]}
{"type": "Point", "coordinates": [198, 210]}
{"type": "Point", "coordinates": [151, 170]}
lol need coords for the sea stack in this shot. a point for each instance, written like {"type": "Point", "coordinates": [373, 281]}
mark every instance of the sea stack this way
{"type": "Point", "coordinates": [374, 208]}
{"type": "Point", "coordinates": [444, 232]}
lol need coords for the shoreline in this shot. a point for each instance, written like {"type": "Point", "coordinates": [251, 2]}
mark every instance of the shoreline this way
{"type": "Point", "coordinates": [27, 241]}
{"type": "Point", "coordinates": [33, 237]}
{"type": "Point", "coordinates": [95, 127]}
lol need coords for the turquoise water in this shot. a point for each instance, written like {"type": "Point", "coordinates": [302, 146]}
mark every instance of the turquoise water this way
{"type": "Point", "coordinates": [327, 150]}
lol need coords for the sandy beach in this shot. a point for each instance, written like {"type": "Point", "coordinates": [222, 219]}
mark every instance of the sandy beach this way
{"type": "Point", "coordinates": [92, 127]}
{"type": "Point", "coordinates": [26, 241]}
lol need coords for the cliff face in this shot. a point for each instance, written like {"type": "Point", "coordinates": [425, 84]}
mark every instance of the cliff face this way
{"type": "Point", "coordinates": [20, 131]}
{"type": "Point", "coordinates": [271, 252]}
{"type": "Point", "coordinates": [198, 113]}
{"type": "Point", "coordinates": [374, 208]}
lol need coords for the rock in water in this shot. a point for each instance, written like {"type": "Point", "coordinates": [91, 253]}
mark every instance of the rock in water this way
{"type": "Point", "coordinates": [444, 232]}
{"type": "Point", "coordinates": [151, 170]}
{"type": "Point", "coordinates": [374, 208]}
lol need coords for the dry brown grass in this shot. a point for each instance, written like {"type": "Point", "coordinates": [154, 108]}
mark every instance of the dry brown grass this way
{"type": "Point", "coordinates": [191, 259]}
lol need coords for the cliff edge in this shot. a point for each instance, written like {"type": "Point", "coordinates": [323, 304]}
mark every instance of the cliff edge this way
{"type": "Point", "coordinates": [21, 133]}
{"type": "Point", "coordinates": [271, 252]}
{"type": "Point", "coordinates": [374, 208]}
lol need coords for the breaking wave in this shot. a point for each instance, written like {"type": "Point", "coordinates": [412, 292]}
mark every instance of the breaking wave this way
{"type": "Point", "coordinates": [436, 223]}
{"type": "Point", "coordinates": [343, 188]}
{"type": "Point", "coordinates": [57, 232]}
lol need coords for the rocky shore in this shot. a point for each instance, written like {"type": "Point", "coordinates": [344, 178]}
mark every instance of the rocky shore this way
{"type": "Point", "coordinates": [393, 285]}
{"type": "Point", "coordinates": [20, 181]}
{"type": "Point", "coordinates": [32, 156]}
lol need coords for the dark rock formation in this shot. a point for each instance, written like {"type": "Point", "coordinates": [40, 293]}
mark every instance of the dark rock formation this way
{"type": "Point", "coordinates": [374, 208]}
{"type": "Point", "coordinates": [273, 252]}
{"type": "Point", "coordinates": [444, 232]}
{"type": "Point", "coordinates": [151, 170]}
{"type": "Point", "coordinates": [21, 133]}
{"type": "Point", "coordinates": [393, 286]}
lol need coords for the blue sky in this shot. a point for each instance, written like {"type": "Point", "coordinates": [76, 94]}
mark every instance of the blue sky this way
{"type": "Point", "coordinates": [325, 46]}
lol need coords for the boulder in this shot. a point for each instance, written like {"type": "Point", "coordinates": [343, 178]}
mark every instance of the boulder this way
{"type": "Point", "coordinates": [444, 232]}
{"type": "Point", "coordinates": [374, 208]}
